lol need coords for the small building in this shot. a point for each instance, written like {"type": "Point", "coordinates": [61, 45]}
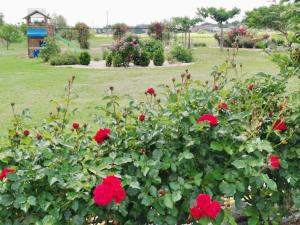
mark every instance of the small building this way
{"type": "Point", "coordinates": [39, 27]}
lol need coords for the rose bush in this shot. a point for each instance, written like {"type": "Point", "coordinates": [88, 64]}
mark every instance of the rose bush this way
{"type": "Point", "coordinates": [149, 161]}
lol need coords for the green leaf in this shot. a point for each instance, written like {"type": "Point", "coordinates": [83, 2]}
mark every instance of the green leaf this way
{"type": "Point", "coordinates": [269, 182]}
{"type": "Point", "coordinates": [6, 200]}
{"type": "Point", "coordinates": [31, 200]}
{"type": "Point", "coordinates": [227, 188]}
{"type": "Point", "coordinates": [216, 146]}
{"type": "Point", "coordinates": [176, 196]}
{"type": "Point", "coordinates": [168, 201]}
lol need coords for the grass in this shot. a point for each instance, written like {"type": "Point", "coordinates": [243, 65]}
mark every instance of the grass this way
{"type": "Point", "coordinates": [32, 84]}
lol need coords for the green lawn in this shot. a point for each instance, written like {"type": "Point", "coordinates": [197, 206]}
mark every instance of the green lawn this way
{"type": "Point", "coordinates": [32, 84]}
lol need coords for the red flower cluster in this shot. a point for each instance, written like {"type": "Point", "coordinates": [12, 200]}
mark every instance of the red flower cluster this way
{"type": "Point", "coordinates": [222, 105]}
{"type": "Point", "coordinates": [150, 91]}
{"type": "Point", "coordinates": [4, 172]}
{"type": "Point", "coordinates": [76, 126]}
{"type": "Point", "coordinates": [26, 132]}
{"type": "Point", "coordinates": [109, 190]}
{"type": "Point", "coordinates": [213, 120]}
{"type": "Point", "coordinates": [279, 125]}
{"type": "Point", "coordinates": [251, 87]}
{"type": "Point", "coordinates": [205, 208]}
{"type": "Point", "coordinates": [142, 117]}
{"type": "Point", "coordinates": [102, 135]}
{"type": "Point", "coordinates": [274, 161]}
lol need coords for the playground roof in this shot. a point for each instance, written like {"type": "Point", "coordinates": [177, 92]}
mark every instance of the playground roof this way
{"type": "Point", "coordinates": [36, 12]}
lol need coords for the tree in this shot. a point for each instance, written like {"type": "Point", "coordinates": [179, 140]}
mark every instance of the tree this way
{"type": "Point", "coordinates": [185, 24]}
{"type": "Point", "coordinates": [1, 19]}
{"type": "Point", "coordinates": [119, 30]}
{"type": "Point", "coordinates": [59, 21]}
{"type": "Point", "coordinates": [281, 17]}
{"type": "Point", "coordinates": [220, 15]}
{"type": "Point", "coordinates": [83, 35]}
{"type": "Point", "coordinates": [10, 33]}
{"type": "Point", "coordinates": [156, 30]}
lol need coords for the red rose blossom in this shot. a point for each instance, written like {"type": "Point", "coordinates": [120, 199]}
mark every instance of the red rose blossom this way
{"type": "Point", "coordinates": [142, 117]}
{"type": "Point", "coordinates": [213, 120]}
{"type": "Point", "coordinates": [26, 132]}
{"type": "Point", "coordinates": [102, 135]}
{"type": "Point", "coordinates": [108, 191]}
{"type": "Point", "coordinates": [279, 125]}
{"type": "Point", "coordinates": [150, 91]}
{"type": "Point", "coordinates": [251, 87]}
{"type": "Point", "coordinates": [274, 161]}
{"type": "Point", "coordinates": [205, 208]}
{"type": "Point", "coordinates": [4, 172]}
{"type": "Point", "coordinates": [222, 105]}
{"type": "Point", "coordinates": [76, 126]}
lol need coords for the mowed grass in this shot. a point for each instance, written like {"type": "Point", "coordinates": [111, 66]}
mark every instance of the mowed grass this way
{"type": "Point", "coordinates": [31, 84]}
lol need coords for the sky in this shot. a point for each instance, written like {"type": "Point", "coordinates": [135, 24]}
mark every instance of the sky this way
{"type": "Point", "coordinates": [131, 12]}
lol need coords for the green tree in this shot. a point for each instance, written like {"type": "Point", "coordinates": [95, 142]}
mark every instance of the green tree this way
{"type": "Point", "coordinates": [119, 30]}
{"type": "Point", "coordinates": [281, 17]}
{"type": "Point", "coordinates": [83, 35]}
{"type": "Point", "coordinates": [59, 21]}
{"type": "Point", "coordinates": [10, 34]}
{"type": "Point", "coordinates": [220, 15]}
{"type": "Point", "coordinates": [1, 19]}
{"type": "Point", "coordinates": [185, 24]}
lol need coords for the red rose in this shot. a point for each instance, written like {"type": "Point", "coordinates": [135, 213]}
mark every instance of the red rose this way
{"type": "Point", "coordinates": [4, 172]}
{"type": "Point", "coordinates": [150, 91]}
{"type": "Point", "coordinates": [279, 125]}
{"type": "Point", "coordinates": [205, 208]}
{"type": "Point", "coordinates": [109, 190]}
{"type": "Point", "coordinates": [76, 126]}
{"type": "Point", "coordinates": [274, 161]}
{"type": "Point", "coordinates": [102, 135]}
{"type": "Point", "coordinates": [251, 87]}
{"type": "Point", "coordinates": [26, 132]}
{"type": "Point", "coordinates": [39, 136]}
{"type": "Point", "coordinates": [142, 117]}
{"type": "Point", "coordinates": [213, 120]}
{"type": "Point", "coordinates": [213, 210]}
{"type": "Point", "coordinates": [270, 114]}
{"type": "Point", "coordinates": [222, 105]}
{"type": "Point", "coordinates": [196, 213]}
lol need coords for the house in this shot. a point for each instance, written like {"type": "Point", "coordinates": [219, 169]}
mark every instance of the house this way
{"type": "Point", "coordinates": [39, 27]}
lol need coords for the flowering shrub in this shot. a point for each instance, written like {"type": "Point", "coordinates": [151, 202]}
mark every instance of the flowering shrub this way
{"type": "Point", "coordinates": [150, 171]}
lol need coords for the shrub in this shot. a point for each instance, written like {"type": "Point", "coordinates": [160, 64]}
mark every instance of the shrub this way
{"type": "Point", "coordinates": [278, 41]}
{"type": "Point", "coordinates": [84, 58]}
{"type": "Point", "coordinates": [83, 34]}
{"type": "Point", "coordinates": [200, 44]}
{"type": "Point", "coordinates": [245, 42]}
{"type": "Point", "coordinates": [155, 30]}
{"type": "Point", "coordinates": [109, 59]}
{"type": "Point", "coordinates": [158, 58]}
{"type": "Point", "coordinates": [182, 54]}
{"type": "Point", "coordinates": [66, 58]}
{"type": "Point", "coordinates": [49, 49]}
{"type": "Point", "coordinates": [261, 45]}
{"type": "Point", "coordinates": [192, 139]}
{"type": "Point", "coordinates": [117, 60]}
{"type": "Point", "coordinates": [152, 45]}
{"type": "Point", "coordinates": [105, 53]}
{"type": "Point", "coordinates": [144, 59]}
{"type": "Point", "coordinates": [119, 30]}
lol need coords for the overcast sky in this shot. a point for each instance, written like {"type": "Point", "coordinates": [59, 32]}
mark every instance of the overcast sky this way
{"type": "Point", "coordinates": [132, 12]}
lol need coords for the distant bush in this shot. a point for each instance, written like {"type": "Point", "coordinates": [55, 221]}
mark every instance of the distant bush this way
{"type": "Point", "coordinates": [84, 58]}
{"type": "Point", "coordinates": [119, 30]}
{"type": "Point", "coordinates": [278, 41]}
{"type": "Point", "coordinates": [97, 58]}
{"type": "Point", "coordinates": [245, 42]}
{"type": "Point", "coordinates": [261, 45]}
{"type": "Point", "coordinates": [83, 35]}
{"type": "Point", "coordinates": [158, 58]}
{"type": "Point", "coordinates": [144, 59]}
{"type": "Point", "coordinates": [200, 44]}
{"type": "Point", "coordinates": [49, 49]}
{"type": "Point", "coordinates": [105, 53]}
{"type": "Point", "coordinates": [66, 58]}
{"type": "Point", "coordinates": [156, 30]}
{"type": "Point", "coordinates": [109, 58]}
{"type": "Point", "coordinates": [182, 54]}
{"type": "Point", "coordinates": [117, 60]}
{"type": "Point", "coordinates": [152, 45]}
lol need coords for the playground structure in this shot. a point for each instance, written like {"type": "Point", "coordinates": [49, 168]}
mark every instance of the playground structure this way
{"type": "Point", "coordinates": [39, 28]}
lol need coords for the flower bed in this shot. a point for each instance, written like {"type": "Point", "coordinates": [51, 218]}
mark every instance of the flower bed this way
{"type": "Point", "coordinates": [185, 155]}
